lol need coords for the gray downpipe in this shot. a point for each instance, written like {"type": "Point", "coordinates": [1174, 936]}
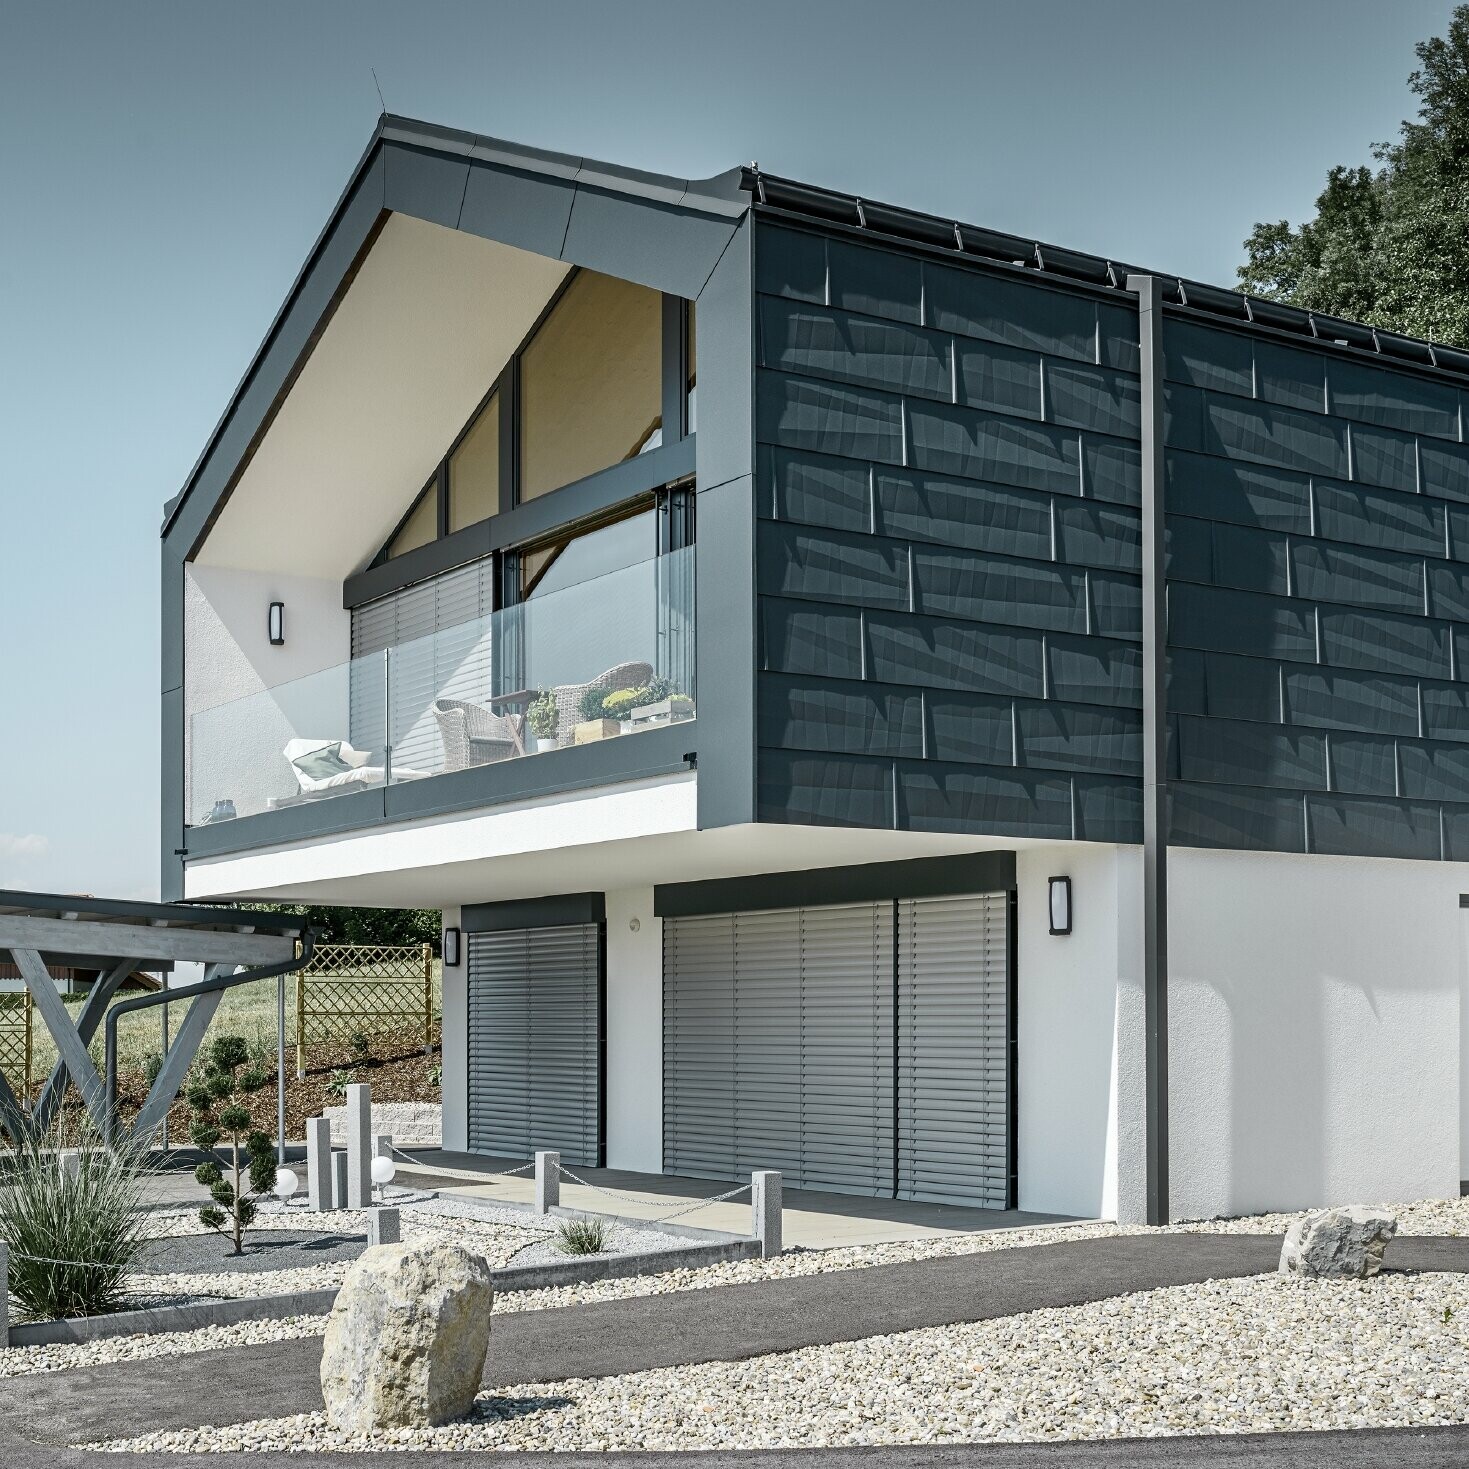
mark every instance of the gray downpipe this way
{"type": "Point", "coordinates": [188, 992]}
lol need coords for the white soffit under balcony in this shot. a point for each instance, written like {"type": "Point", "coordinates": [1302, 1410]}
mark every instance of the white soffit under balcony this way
{"type": "Point", "coordinates": [419, 338]}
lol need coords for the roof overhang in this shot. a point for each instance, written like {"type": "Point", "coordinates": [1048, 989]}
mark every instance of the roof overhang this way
{"type": "Point", "coordinates": [443, 240]}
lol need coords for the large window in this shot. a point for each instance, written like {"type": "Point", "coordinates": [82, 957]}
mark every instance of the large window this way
{"type": "Point", "coordinates": [474, 469]}
{"type": "Point", "coordinates": [585, 392]}
{"type": "Point", "coordinates": [421, 525]}
{"type": "Point", "coordinates": [582, 558]}
{"type": "Point", "coordinates": [590, 382]}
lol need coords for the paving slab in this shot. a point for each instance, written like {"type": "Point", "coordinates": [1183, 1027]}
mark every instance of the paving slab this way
{"type": "Point", "coordinates": [811, 1218]}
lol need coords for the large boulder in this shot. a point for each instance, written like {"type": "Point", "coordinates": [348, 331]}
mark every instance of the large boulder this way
{"type": "Point", "coordinates": [1342, 1244]}
{"type": "Point", "coordinates": [406, 1339]}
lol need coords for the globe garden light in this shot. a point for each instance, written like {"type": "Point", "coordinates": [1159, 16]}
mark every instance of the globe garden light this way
{"type": "Point", "coordinates": [286, 1183]}
{"type": "Point", "coordinates": [383, 1170]}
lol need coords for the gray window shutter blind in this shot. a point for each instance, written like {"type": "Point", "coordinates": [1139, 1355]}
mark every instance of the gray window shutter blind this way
{"type": "Point", "coordinates": [535, 1043]}
{"type": "Point", "coordinates": [953, 1050]}
{"type": "Point", "coordinates": [698, 1046]}
{"type": "Point", "coordinates": [778, 1046]}
{"type": "Point", "coordinates": [847, 1048]}
{"type": "Point", "coordinates": [439, 632]}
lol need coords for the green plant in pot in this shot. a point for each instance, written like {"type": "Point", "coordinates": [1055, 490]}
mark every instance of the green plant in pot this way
{"type": "Point", "coordinates": [544, 718]}
{"type": "Point", "coordinates": [590, 705]}
{"type": "Point", "coordinates": [620, 703]}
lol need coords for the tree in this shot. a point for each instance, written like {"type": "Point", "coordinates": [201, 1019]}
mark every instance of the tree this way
{"type": "Point", "coordinates": [365, 925]}
{"type": "Point", "coordinates": [217, 1106]}
{"type": "Point", "coordinates": [1390, 245]}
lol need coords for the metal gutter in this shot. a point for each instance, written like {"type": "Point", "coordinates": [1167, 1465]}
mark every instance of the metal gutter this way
{"type": "Point", "coordinates": [787, 197]}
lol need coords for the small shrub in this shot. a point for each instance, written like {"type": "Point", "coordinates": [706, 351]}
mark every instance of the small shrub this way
{"type": "Point", "coordinates": [72, 1238]}
{"type": "Point", "coordinates": [590, 706]}
{"type": "Point", "coordinates": [620, 703]}
{"type": "Point", "coordinates": [436, 1076]}
{"type": "Point", "coordinates": [543, 716]}
{"type": "Point", "coordinates": [217, 1109]}
{"type": "Point", "coordinates": [152, 1065]}
{"type": "Point", "coordinates": [360, 1044]}
{"type": "Point", "coordinates": [340, 1081]}
{"type": "Point", "coordinates": [580, 1237]}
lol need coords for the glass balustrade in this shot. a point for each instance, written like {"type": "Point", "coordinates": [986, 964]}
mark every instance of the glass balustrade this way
{"type": "Point", "coordinates": [597, 660]}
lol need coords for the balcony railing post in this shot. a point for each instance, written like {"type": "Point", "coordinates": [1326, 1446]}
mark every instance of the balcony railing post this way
{"type": "Point", "coordinates": [387, 716]}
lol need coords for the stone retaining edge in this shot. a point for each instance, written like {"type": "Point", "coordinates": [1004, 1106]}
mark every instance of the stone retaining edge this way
{"type": "Point", "coordinates": [198, 1314]}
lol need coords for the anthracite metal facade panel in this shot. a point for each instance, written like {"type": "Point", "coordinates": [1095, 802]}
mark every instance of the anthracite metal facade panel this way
{"type": "Point", "coordinates": [947, 567]}
{"type": "Point", "coordinates": [947, 559]}
{"type": "Point", "coordinates": [1318, 558]}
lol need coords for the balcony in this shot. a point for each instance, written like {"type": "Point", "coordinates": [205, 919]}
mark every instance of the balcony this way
{"type": "Point", "coordinates": [599, 660]}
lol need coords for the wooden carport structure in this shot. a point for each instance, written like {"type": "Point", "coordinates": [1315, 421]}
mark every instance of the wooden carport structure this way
{"type": "Point", "coordinates": [47, 932]}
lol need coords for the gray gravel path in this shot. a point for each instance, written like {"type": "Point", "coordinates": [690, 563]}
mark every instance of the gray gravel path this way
{"type": "Point", "coordinates": [1391, 1448]}
{"type": "Point", "coordinates": [613, 1337]}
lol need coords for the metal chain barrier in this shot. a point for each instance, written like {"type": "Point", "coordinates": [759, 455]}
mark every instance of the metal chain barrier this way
{"type": "Point", "coordinates": [734, 1193]}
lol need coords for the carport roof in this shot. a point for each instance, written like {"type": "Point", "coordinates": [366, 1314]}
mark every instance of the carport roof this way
{"type": "Point", "coordinates": [79, 907]}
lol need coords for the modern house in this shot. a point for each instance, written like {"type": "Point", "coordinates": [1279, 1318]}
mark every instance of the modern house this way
{"type": "Point", "coordinates": [749, 612]}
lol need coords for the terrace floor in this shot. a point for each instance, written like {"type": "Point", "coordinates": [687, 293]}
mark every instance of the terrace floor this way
{"type": "Point", "coordinates": [812, 1219]}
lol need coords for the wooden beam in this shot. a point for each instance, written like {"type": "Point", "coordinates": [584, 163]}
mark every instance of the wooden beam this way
{"type": "Point", "coordinates": [175, 1066]}
{"type": "Point", "coordinates": [69, 1044]}
{"type": "Point", "coordinates": [90, 1017]}
{"type": "Point", "coordinates": [204, 946]}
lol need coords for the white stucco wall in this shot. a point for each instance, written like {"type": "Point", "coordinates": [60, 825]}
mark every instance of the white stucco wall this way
{"type": "Point", "coordinates": [634, 1076]}
{"type": "Point", "coordinates": [1314, 1031]}
{"type": "Point", "coordinates": [1066, 1021]}
{"type": "Point", "coordinates": [454, 1087]}
{"type": "Point", "coordinates": [233, 748]}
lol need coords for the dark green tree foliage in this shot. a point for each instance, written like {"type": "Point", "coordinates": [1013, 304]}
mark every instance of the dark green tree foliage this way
{"type": "Point", "coordinates": [217, 1110]}
{"type": "Point", "coordinates": [1390, 245]}
{"type": "Point", "coordinates": [366, 925]}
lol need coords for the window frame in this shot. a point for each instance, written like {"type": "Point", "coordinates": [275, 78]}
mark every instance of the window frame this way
{"type": "Point", "coordinates": [660, 464]}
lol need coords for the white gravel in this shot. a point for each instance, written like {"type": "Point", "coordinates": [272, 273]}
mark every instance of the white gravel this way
{"type": "Point", "coordinates": [1240, 1356]}
{"type": "Point", "coordinates": [25, 1361]}
{"type": "Point", "coordinates": [1427, 1217]}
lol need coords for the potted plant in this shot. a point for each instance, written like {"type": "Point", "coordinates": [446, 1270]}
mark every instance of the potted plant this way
{"type": "Point", "coordinates": [595, 725]}
{"type": "Point", "coordinates": [543, 717]}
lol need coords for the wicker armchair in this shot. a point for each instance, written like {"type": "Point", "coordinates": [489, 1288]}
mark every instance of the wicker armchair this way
{"type": "Point", "coordinates": [472, 735]}
{"type": "Point", "coordinates": [568, 696]}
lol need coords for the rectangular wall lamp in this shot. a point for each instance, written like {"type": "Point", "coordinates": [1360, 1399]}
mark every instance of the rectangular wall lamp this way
{"type": "Point", "coordinates": [275, 624]}
{"type": "Point", "coordinates": [1060, 905]}
{"type": "Point", "coordinates": [451, 948]}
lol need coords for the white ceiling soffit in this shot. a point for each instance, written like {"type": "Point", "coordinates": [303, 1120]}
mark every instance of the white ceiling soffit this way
{"type": "Point", "coordinates": [419, 338]}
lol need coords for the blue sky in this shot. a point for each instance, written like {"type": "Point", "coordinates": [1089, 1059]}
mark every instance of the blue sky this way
{"type": "Point", "coordinates": [164, 167]}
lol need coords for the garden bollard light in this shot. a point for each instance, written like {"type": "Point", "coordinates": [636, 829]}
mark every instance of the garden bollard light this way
{"type": "Point", "coordinates": [765, 1211]}
{"type": "Point", "coordinates": [548, 1182]}
{"type": "Point", "coordinates": [339, 1181]}
{"type": "Point", "coordinates": [359, 1145]}
{"type": "Point", "coordinates": [384, 1226]}
{"type": "Point", "coordinates": [319, 1163]}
